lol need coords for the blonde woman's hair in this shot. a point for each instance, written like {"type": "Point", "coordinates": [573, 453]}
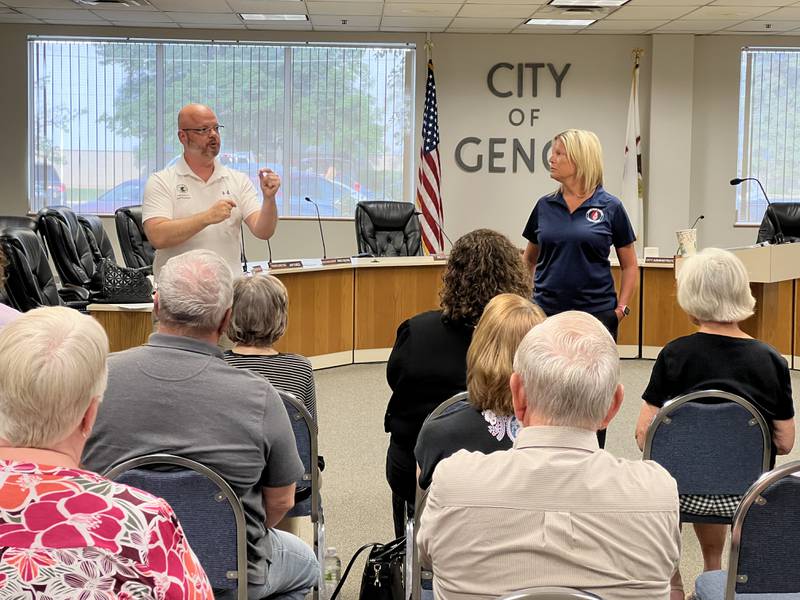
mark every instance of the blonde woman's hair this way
{"type": "Point", "coordinates": [585, 152]}
{"type": "Point", "coordinates": [713, 286]}
{"type": "Point", "coordinates": [54, 363]}
{"type": "Point", "coordinates": [505, 321]}
{"type": "Point", "coordinates": [260, 311]}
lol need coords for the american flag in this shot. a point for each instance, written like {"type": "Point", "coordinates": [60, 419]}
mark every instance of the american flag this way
{"type": "Point", "coordinates": [429, 179]}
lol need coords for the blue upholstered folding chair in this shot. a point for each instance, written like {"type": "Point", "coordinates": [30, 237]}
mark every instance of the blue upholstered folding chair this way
{"type": "Point", "coordinates": [414, 573]}
{"type": "Point", "coordinates": [209, 511]}
{"type": "Point", "coordinates": [550, 593]}
{"type": "Point", "coordinates": [308, 488]}
{"type": "Point", "coordinates": [710, 448]}
{"type": "Point", "coordinates": [764, 561]}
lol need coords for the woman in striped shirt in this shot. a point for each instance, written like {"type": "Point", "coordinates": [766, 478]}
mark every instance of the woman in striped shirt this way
{"type": "Point", "coordinates": [258, 321]}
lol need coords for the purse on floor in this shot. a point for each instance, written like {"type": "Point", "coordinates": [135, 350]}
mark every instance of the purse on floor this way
{"type": "Point", "coordinates": [383, 572]}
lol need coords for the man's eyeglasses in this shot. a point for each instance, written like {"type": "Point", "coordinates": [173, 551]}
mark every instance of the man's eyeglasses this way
{"type": "Point", "coordinates": [205, 130]}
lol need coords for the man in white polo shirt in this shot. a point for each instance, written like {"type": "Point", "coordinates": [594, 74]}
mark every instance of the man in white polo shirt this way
{"type": "Point", "coordinates": [197, 203]}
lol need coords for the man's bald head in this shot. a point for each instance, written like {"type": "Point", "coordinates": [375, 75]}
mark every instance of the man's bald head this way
{"type": "Point", "coordinates": [198, 147]}
{"type": "Point", "coordinates": [191, 114]}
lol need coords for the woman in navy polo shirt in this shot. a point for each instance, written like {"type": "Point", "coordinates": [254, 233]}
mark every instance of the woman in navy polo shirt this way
{"type": "Point", "coordinates": [570, 233]}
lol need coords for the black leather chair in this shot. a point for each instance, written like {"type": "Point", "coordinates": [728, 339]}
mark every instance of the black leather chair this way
{"type": "Point", "coordinates": [29, 280]}
{"type": "Point", "coordinates": [69, 247]}
{"type": "Point", "coordinates": [386, 228]}
{"type": "Point", "coordinates": [780, 218]}
{"type": "Point", "coordinates": [98, 239]}
{"type": "Point", "coordinates": [15, 222]}
{"type": "Point", "coordinates": [137, 251]}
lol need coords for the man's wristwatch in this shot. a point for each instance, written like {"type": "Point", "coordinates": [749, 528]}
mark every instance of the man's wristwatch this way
{"type": "Point", "coordinates": [625, 310]}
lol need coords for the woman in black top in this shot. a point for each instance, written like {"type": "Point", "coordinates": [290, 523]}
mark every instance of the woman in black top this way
{"type": "Point", "coordinates": [487, 423]}
{"type": "Point", "coordinates": [428, 362]}
{"type": "Point", "coordinates": [713, 289]}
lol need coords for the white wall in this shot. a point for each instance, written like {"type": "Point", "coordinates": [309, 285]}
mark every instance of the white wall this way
{"type": "Point", "coordinates": [689, 125]}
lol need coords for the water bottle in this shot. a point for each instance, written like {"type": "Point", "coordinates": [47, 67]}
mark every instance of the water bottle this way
{"type": "Point", "coordinates": [333, 571]}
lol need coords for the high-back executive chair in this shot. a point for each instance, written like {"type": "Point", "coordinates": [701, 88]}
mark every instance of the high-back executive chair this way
{"type": "Point", "coordinates": [385, 228]}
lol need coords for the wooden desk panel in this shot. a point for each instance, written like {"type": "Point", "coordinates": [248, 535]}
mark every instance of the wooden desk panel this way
{"type": "Point", "coordinates": [320, 312]}
{"type": "Point", "coordinates": [387, 296]}
{"type": "Point", "coordinates": [628, 335]}
{"type": "Point", "coordinates": [774, 313]}
{"type": "Point", "coordinates": [662, 318]}
{"type": "Point", "coordinates": [125, 328]}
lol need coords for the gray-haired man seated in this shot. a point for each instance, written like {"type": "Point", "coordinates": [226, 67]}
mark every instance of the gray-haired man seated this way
{"type": "Point", "coordinates": [176, 395]}
{"type": "Point", "coordinates": [555, 509]}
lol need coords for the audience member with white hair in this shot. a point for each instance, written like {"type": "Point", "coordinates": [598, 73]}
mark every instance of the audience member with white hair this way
{"type": "Point", "coordinates": [555, 509]}
{"type": "Point", "coordinates": [64, 530]}
{"type": "Point", "coordinates": [713, 289]}
{"type": "Point", "coordinates": [176, 395]}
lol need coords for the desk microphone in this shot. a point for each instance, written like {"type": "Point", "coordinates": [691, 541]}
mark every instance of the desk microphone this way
{"type": "Point", "coordinates": [319, 221]}
{"type": "Point", "coordinates": [699, 218]}
{"type": "Point", "coordinates": [244, 256]}
{"type": "Point", "coordinates": [444, 233]}
{"type": "Point", "coordinates": [778, 229]}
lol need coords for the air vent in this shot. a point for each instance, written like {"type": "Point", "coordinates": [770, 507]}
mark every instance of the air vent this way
{"type": "Point", "coordinates": [111, 2]}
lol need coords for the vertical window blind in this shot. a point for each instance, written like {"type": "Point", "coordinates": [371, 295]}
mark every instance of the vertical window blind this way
{"type": "Point", "coordinates": [336, 122]}
{"type": "Point", "coordinates": [769, 130]}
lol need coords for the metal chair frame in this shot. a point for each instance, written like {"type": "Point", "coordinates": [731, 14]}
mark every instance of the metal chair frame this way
{"type": "Point", "coordinates": [225, 492]}
{"type": "Point", "coordinates": [317, 516]}
{"type": "Point", "coordinates": [550, 593]}
{"type": "Point", "coordinates": [753, 495]}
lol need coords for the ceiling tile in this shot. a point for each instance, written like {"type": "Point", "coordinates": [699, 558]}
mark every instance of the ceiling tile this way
{"type": "Point", "coordinates": [18, 19]}
{"type": "Point", "coordinates": [76, 21]}
{"type": "Point", "coordinates": [540, 29]}
{"type": "Point", "coordinates": [560, 12]}
{"type": "Point", "coordinates": [113, 7]}
{"type": "Point", "coordinates": [190, 5]}
{"type": "Point", "coordinates": [352, 21]}
{"type": "Point", "coordinates": [478, 30]}
{"type": "Point", "coordinates": [531, 3]}
{"type": "Point", "coordinates": [761, 26]}
{"type": "Point", "coordinates": [628, 26]}
{"type": "Point", "coordinates": [733, 13]}
{"type": "Point", "coordinates": [420, 10]}
{"type": "Point", "coordinates": [392, 21]}
{"type": "Point", "coordinates": [789, 14]}
{"type": "Point", "coordinates": [517, 11]}
{"type": "Point", "coordinates": [62, 4]}
{"type": "Point", "coordinates": [774, 3]}
{"type": "Point", "coordinates": [465, 23]}
{"type": "Point", "coordinates": [410, 29]}
{"type": "Point", "coordinates": [205, 18]}
{"type": "Point", "coordinates": [271, 7]}
{"type": "Point", "coordinates": [665, 3]}
{"type": "Point", "coordinates": [650, 12]}
{"type": "Point", "coordinates": [239, 25]}
{"type": "Point", "coordinates": [698, 26]}
{"type": "Point", "coordinates": [345, 8]}
{"type": "Point", "coordinates": [123, 16]}
{"type": "Point", "coordinates": [279, 25]}
{"type": "Point", "coordinates": [52, 14]}
{"type": "Point", "coordinates": [166, 24]}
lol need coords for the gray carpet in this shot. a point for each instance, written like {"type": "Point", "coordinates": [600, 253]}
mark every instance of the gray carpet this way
{"type": "Point", "coordinates": [356, 496]}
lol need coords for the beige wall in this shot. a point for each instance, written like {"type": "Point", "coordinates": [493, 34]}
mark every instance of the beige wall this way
{"type": "Point", "coordinates": [689, 113]}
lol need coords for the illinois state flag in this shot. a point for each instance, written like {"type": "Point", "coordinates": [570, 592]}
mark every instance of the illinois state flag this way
{"type": "Point", "coordinates": [632, 188]}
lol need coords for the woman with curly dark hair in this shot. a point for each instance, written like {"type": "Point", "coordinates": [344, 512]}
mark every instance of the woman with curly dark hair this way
{"type": "Point", "coordinates": [7, 314]}
{"type": "Point", "coordinates": [428, 363]}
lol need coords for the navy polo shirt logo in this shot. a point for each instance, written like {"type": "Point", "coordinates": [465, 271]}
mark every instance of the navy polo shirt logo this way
{"type": "Point", "coordinates": [594, 215]}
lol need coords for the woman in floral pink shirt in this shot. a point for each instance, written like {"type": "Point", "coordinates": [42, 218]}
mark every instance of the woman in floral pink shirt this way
{"type": "Point", "coordinates": [66, 532]}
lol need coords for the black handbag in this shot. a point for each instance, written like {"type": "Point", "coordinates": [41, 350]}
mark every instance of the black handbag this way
{"type": "Point", "coordinates": [122, 284]}
{"type": "Point", "coordinates": [383, 572]}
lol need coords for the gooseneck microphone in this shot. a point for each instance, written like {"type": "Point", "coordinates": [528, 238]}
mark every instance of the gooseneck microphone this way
{"type": "Point", "coordinates": [244, 256]}
{"type": "Point", "coordinates": [444, 233]}
{"type": "Point", "coordinates": [775, 220]}
{"type": "Point", "coordinates": [699, 218]}
{"type": "Point", "coordinates": [319, 222]}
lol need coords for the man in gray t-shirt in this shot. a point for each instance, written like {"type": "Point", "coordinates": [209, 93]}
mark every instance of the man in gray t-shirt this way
{"type": "Point", "coordinates": [176, 395]}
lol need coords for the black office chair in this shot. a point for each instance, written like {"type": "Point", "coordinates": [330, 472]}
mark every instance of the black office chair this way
{"type": "Point", "coordinates": [765, 543]}
{"type": "Point", "coordinates": [98, 239]}
{"type": "Point", "coordinates": [209, 511]}
{"type": "Point", "coordinates": [781, 223]}
{"type": "Point", "coordinates": [69, 247]}
{"type": "Point", "coordinates": [388, 229]}
{"type": "Point", "coordinates": [137, 251]}
{"type": "Point", "coordinates": [712, 443]}
{"type": "Point", "coordinates": [29, 280]}
{"type": "Point", "coordinates": [14, 222]}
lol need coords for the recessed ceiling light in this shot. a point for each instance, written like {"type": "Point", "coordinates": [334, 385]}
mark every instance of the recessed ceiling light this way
{"type": "Point", "coordinates": [263, 17]}
{"type": "Point", "coordinates": [561, 22]}
{"type": "Point", "coordinates": [587, 3]}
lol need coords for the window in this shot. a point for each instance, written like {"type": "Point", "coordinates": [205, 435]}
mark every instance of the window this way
{"type": "Point", "coordinates": [769, 130]}
{"type": "Point", "coordinates": [334, 121]}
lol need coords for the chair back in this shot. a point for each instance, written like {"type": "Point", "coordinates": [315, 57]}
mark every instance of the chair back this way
{"type": "Point", "coordinates": [29, 281]}
{"type": "Point", "coordinates": [452, 404]}
{"type": "Point", "coordinates": [208, 509]}
{"type": "Point", "coordinates": [137, 251]}
{"type": "Point", "coordinates": [97, 237]}
{"type": "Point", "coordinates": [386, 228]}
{"type": "Point", "coordinates": [550, 593]}
{"type": "Point", "coordinates": [710, 448]}
{"type": "Point", "coordinates": [69, 247]}
{"type": "Point", "coordinates": [308, 488]}
{"type": "Point", "coordinates": [783, 217]}
{"type": "Point", "coordinates": [765, 537]}
{"type": "Point", "coordinates": [15, 222]}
